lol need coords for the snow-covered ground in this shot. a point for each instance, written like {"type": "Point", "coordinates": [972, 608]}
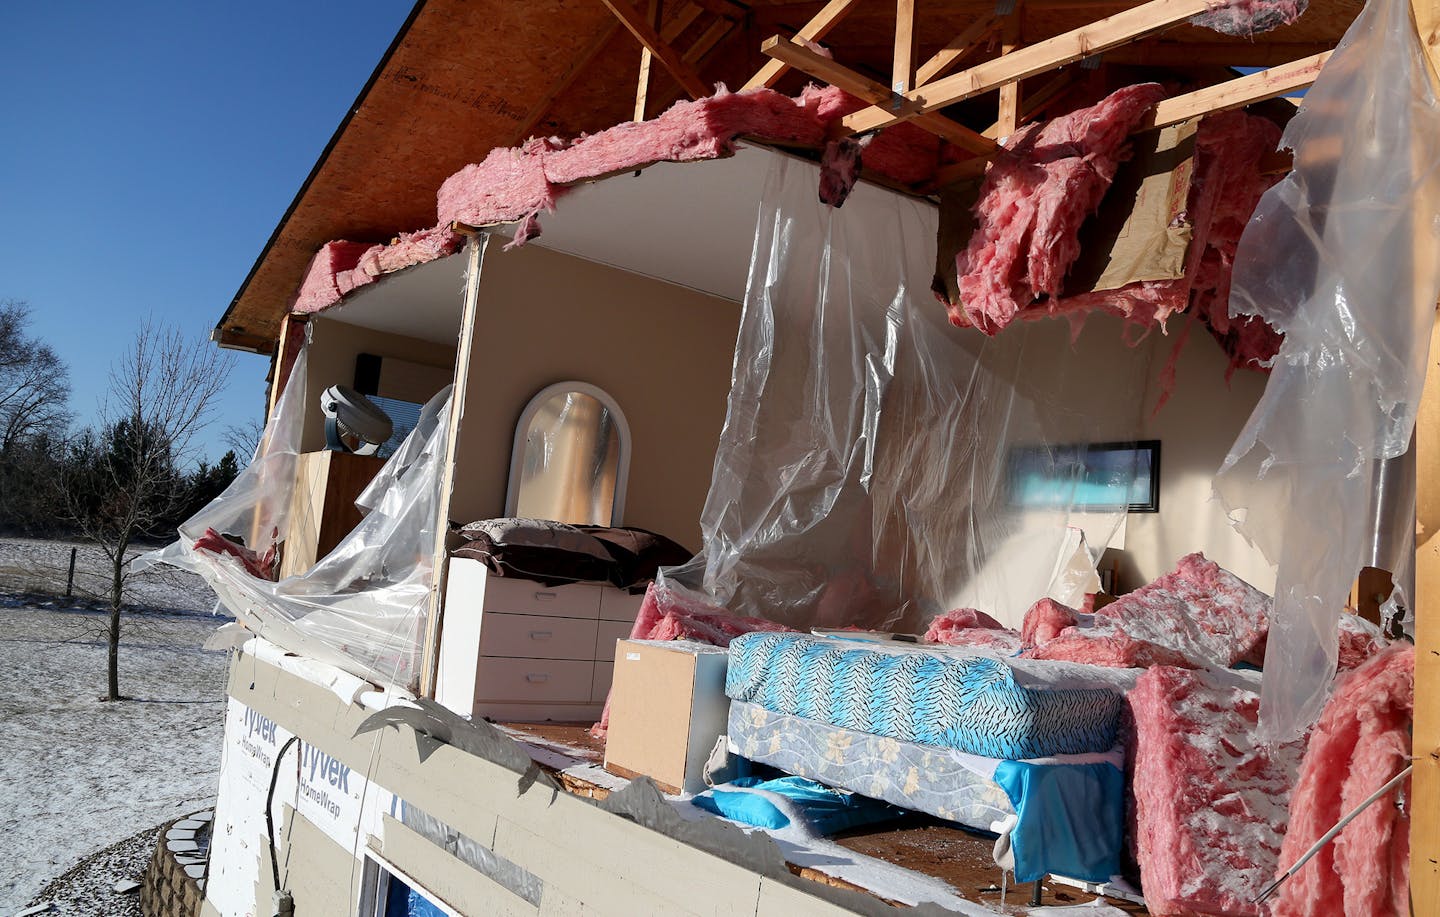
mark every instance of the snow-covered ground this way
{"type": "Point", "coordinates": [78, 775]}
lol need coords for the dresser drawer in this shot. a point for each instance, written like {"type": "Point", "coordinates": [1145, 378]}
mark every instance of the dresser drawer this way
{"type": "Point", "coordinates": [607, 633]}
{"type": "Point", "coordinates": [534, 680]}
{"type": "Point", "coordinates": [604, 674]}
{"type": "Point", "coordinates": [527, 597]}
{"type": "Point", "coordinates": [619, 605]}
{"type": "Point", "coordinates": [537, 637]}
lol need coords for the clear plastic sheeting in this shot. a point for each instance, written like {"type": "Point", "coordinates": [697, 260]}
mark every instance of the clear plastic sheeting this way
{"type": "Point", "coordinates": [1340, 257]}
{"type": "Point", "coordinates": [362, 607]}
{"type": "Point", "coordinates": [866, 474]}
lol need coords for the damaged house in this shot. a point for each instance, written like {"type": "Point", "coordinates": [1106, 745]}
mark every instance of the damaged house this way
{"type": "Point", "coordinates": [800, 457]}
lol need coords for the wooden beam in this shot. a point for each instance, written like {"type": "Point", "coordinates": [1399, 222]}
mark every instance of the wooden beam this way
{"type": "Point", "coordinates": [634, 20]}
{"type": "Point", "coordinates": [1122, 28]}
{"type": "Point", "coordinates": [542, 106]}
{"type": "Point", "coordinates": [902, 71]}
{"type": "Point", "coordinates": [642, 88]}
{"type": "Point", "coordinates": [1236, 93]}
{"type": "Point", "coordinates": [1034, 103]}
{"type": "Point", "coordinates": [823, 68]}
{"type": "Point", "coordinates": [1425, 735]}
{"type": "Point", "coordinates": [940, 63]}
{"type": "Point", "coordinates": [817, 28]}
{"type": "Point", "coordinates": [1008, 116]}
{"type": "Point", "coordinates": [735, 12]}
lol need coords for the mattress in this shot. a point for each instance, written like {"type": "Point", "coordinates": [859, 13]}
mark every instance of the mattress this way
{"type": "Point", "coordinates": [1063, 814]}
{"type": "Point", "coordinates": [969, 701]}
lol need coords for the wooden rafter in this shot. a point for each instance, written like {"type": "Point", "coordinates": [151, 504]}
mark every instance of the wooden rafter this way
{"type": "Point", "coordinates": [902, 71]}
{"type": "Point", "coordinates": [823, 68]}
{"type": "Point", "coordinates": [968, 40]}
{"type": "Point", "coordinates": [817, 28]}
{"type": "Point", "coordinates": [1008, 116]}
{"type": "Point", "coordinates": [1034, 103]}
{"type": "Point", "coordinates": [642, 88]}
{"type": "Point", "coordinates": [634, 20]}
{"type": "Point", "coordinates": [1130, 25]}
{"type": "Point", "coordinates": [1236, 93]}
{"type": "Point", "coordinates": [704, 47]}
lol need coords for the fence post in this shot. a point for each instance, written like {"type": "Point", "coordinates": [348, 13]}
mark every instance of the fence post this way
{"type": "Point", "coordinates": [70, 578]}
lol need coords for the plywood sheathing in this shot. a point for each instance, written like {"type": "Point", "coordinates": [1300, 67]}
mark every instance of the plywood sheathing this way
{"type": "Point", "coordinates": [471, 75]}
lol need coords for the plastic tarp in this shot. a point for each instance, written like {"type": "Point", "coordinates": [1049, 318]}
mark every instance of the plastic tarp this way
{"type": "Point", "coordinates": [363, 606]}
{"type": "Point", "coordinates": [1338, 257]}
{"type": "Point", "coordinates": [866, 474]}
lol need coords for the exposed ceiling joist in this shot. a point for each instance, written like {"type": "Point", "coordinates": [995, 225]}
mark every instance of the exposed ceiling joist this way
{"type": "Point", "coordinates": [940, 63]}
{"type": "Point", "coordinates": [1124, 27]}
{"type": "Point", "coordinates": [1236, 93]}
{"type": "Point", "coordinates": [642, 88]}
{"type": "Point", "coordinates": [817, 28]}
{"type": "Point", "coordinates": [823, 68]}
{"type": "Point", "coordinates": [634, 20]}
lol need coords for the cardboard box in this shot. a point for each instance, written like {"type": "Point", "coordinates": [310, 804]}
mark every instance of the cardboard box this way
{"type": "Point", "coordinates": [667, 709]}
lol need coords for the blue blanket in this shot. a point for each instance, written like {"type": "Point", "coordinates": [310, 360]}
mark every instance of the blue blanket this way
{"type": "Point", "coordinates": [969, 703]}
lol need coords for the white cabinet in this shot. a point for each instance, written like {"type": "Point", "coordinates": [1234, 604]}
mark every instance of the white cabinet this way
{"type": "Point", "coordinates": [512, 649]}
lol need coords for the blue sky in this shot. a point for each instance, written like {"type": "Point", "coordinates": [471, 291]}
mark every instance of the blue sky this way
{"type": "Point", "coordinates": [148, 149]}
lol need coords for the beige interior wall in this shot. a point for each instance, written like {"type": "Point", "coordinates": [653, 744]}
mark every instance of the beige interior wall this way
{"type": "Point", "coordinates": [661, 351]}
{"type": "Point", "coordinates": [333, 348]}
{"type": "Point", "coordinates": [1196, 429]}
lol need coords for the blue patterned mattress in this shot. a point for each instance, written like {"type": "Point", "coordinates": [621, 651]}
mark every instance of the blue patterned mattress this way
{"type": "Point", "coordinates": [969, 702]}
{"type": "Point", "coordinates": [1066, 814]}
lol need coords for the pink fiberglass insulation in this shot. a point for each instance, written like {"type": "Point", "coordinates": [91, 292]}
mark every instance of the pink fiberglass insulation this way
{"type": "Point", "coordinates": [1210, 800]}
{"type": "Point", "coordinates": [1361, 741]}
{"type": "Point", "coordinates": [318, 289]}
{"type": "Point", "coordinates": [1045, 620]}
{"type": "Point", "coordinates": [1205, 613]}
{"type": "Point", "coordinates": [1112, 650]}
{"type": "Point", "coordinates": [972, 627]}
{"type": "Point", "coordinates": [513, 184]}
{"type": "Point", "coordinates": [1245, 18]}
{"type": "Point", "coordinates": [1036, 195]}
{"type": "Point", "coordinates": [256, 565]}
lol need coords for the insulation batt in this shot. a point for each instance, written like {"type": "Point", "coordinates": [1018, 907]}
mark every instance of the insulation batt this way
{"type": "Point", "coordinates": [971, 627]}
{"type": "Point", "coordinates": [1210, 800]}
{"type": "Point", "coordinates": [1245, 18]}
{"type": "Point", "coordinates": [256, 565]}
{"type": "Point", "coordinates": [341, 267]}
{"type": "Point", "coordinates": [318, 289]}
{"type": "Point", "coordinates": [1036, 195]}
{"type": "Point", "coordinates": [1113, 650]}
{"type": "Point", "coordinates": [1045, 620]}
{"type": "Point", "coordinates": [1206, 615]}
{"type": "Point", "coordinates": [1361, 741]}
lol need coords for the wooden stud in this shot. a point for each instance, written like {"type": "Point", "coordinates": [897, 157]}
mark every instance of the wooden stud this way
{"type": "Point", "coordinates": [1008, 117]}
{"type": "Point", "coordinates": [634, 20]}
{"type": "Point", "coordinates": [903, 70]}
{"type": "Point", "coordinates": [642, 88]}
{"type": "Point", "coordinates": [823, 68]}
{"type": "Point", "coordinates": [1425, 736]}
{"type": "Point", "coordinates": [1236, 93]}
{"type": "Point", "coordinates": [434, 613]}
{"type": "Point", "coordinates": [940, 63]}
{"type": "Point", "coordinates": [817, 28]}
{"type": "Point", "coordinates": [1122, 28]}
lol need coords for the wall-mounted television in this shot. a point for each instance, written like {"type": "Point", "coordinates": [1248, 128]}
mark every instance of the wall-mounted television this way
{"type": "Point", "coordinates": [1087, 477]}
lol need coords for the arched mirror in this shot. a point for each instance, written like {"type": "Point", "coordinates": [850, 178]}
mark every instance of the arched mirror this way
{"type": "Point", "coordinates": [571, 457]}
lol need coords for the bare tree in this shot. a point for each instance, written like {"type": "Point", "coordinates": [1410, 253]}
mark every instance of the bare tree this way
{"type": "Point", "coordinates": [124, 481]}
{"type": "Point", "coordinates": [244, 438]}
{"type": "Point", "coordinates": [34, 384]}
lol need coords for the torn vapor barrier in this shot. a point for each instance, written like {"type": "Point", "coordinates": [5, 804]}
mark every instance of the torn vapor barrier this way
{"type": "Point", "coordinates": [362, 607]}
{"type": "Point", "coordinates": [878, 467]}
{"type": "Point", "coordinates": [1338, 258]}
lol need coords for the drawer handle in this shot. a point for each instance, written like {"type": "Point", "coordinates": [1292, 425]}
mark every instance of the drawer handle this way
{"type": "Point", "coordinates": [544, 596]}
{"type": "Point", "coordinates": [537, 677]}
{"type": "Point", "coordinates": [541, 635]}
